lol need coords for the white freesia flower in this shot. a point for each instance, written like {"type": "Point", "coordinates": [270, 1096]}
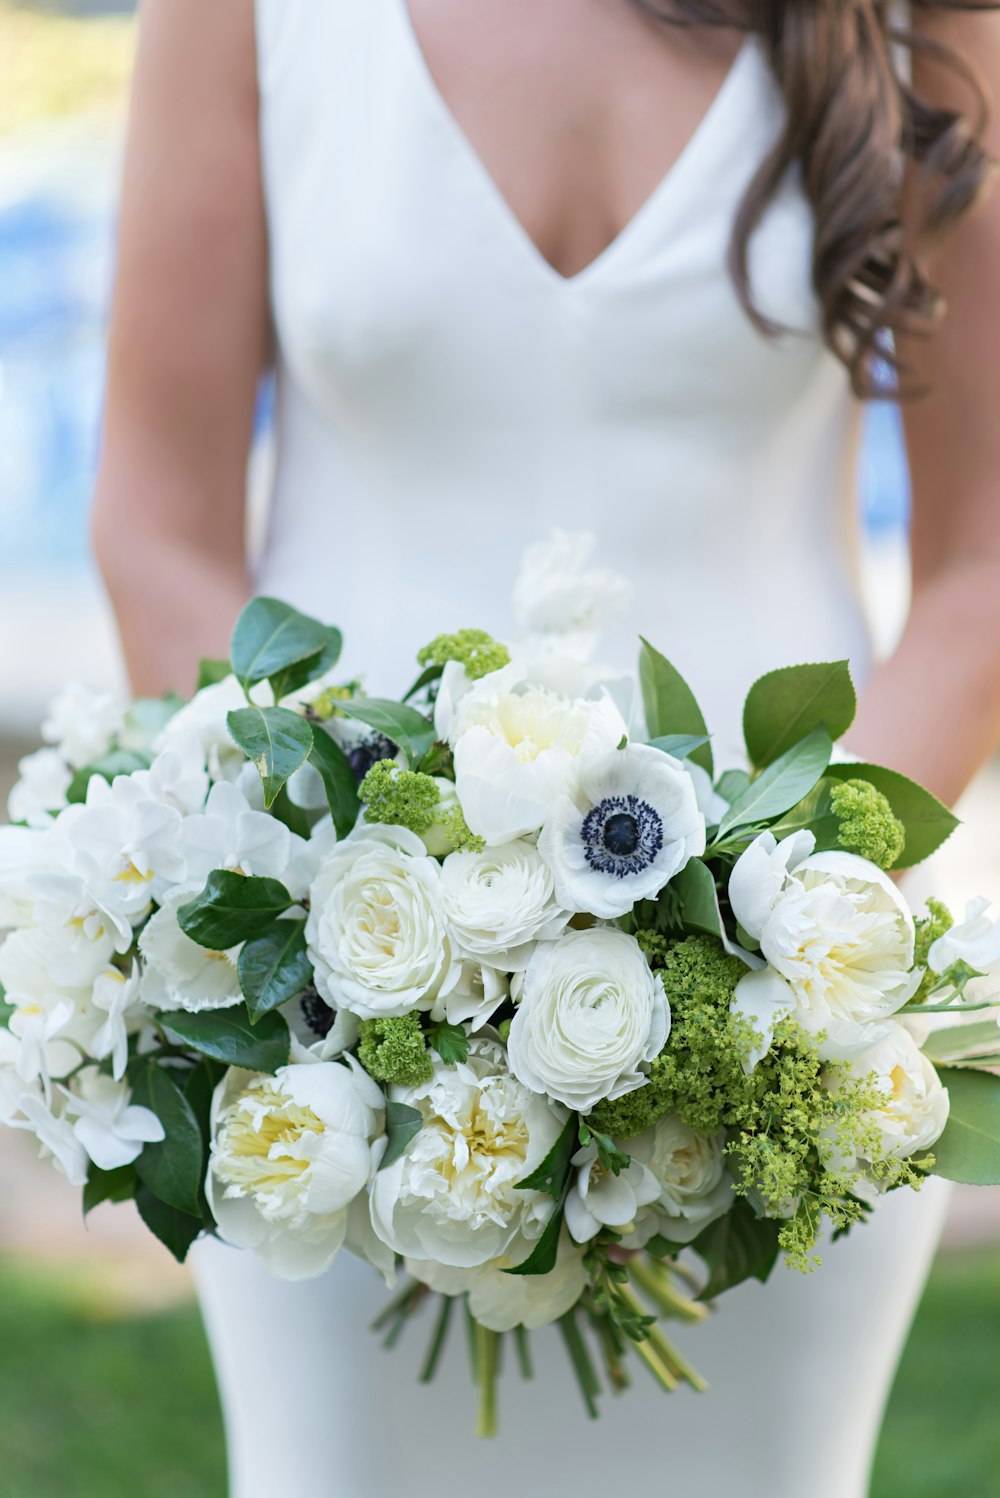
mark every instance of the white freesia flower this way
{"type": "Point", "coordinates": [500, 1301]}
{"type": "Point", "coordinates": [204, 719]}
{"type": "Point", "coordinates": [111, 1128]}
{"type": "Point", "coordinates": [974, 941]}
{"type": "Point", "coordinates": [838, 939]}
{"type": "Point", "coordinates": [178, 973]}
{"type": "Point", "coordinates": [230, 834]}
{"type": "Point", "coordinates": [453, 1195]}
{"type": "Point", "coordinates": [32, 1112]}
{"type": "Point", "coordinates": [177, 776]}
{"type": "Point", "coordinates": [290, 1156]}
{"type": "Point", "coordinates": [517, 745]}
{"type": "Point", "coordinates": [600, 1199]}
{"type": "Point", "coordinates": [627, 825]}
{"type": "Point", "coordinates": [916, 1102]}
{"type": "Point", "coordinates": [41, 789]}
{"type": "Point", "coordinates": [115, 996]}
{"type": "Point", "coordinates": [126, 845]}
{"type": "Point", "coordinates": [590, 1013]}
{"type": "Point", "coordinates": [475, 998]}
{"type": "Point", "coordinates": [82, 724]}
{"type": "Point", "coordinates": [500, 902]}
{"type": "Point", "coordinates": [377, 932]}
{"type": "Point", "coordinates": [54, 1018]}
{"type": "Point", "coordinates": [693, 1188]}
{"type": "Point", "coordinates": [557, 592]}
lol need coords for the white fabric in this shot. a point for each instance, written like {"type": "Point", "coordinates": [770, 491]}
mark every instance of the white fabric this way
{"type": "Point", "coordinates": [445, 397]}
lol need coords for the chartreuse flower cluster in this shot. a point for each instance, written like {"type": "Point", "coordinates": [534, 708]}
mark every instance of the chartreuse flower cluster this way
{"type": "Point", "coordinates": [474, 649]}
{"type": "Point", "coordinates": [868, 825]}
{"type": "Point", "coordinates": [394, 1051]}
{"type": "Point", "coordinates": [408, 798]}
{"type": "Point", "coordinates": [796, 1126]}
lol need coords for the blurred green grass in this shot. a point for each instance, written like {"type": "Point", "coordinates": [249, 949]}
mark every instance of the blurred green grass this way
{"type": "Point", "coordinates": [94, 1405]}
{"type": "Point", "coordinates": [52, 66]}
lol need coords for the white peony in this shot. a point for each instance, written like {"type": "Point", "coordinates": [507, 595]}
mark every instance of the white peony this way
{"type": "Point", "coordinates": [178, 973]}
{"type": "Point", "coordinates": [628, 824]}
{"type": "Point", "coordinates": [590, 1013]}
{"type": "Point", "coordinates": [555, 591]}
{"type": "Point", "coordinates": [600, 1199]}
{"type": "Point", "coordinates": [110, 1127]}
{"type": "Point", "coordinates": [693, 1188]}
{"type": "Point", "coordinates": [500, 902]}
{"type": "Point", "coordinates": [516, 747]}
{"type": "Point", "coordinates": [916, 1101]}
{"type": "Point", "coordinates": [837, 936]}
{"type": "Point", "coordinates": [453, 1195]}
{"type": "Point", "coordinates": [500, 1301]}
{"type": "Point", "coordinates": [291, 1155]}
{"type": "Point", "coordinates": [377, 933]}
{"type": "Point", "coordinates": [82, 724]}
{"type": "Point", "coordinates": [40, 791]}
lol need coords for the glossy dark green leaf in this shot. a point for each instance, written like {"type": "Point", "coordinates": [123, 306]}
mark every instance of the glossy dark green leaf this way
{"type": "Point", "coordinates": [339, 781]}
{"type": "Point", "coordinates": [552, 1174]}
{"type": "Point", "coordinates": [671, 706]}
{"type": "Point", "coordinates": [542, 1259]}
{"type": "Point", "coordinates": [737, 1247]}
{"type": "Point", "coordinates": [785, 706]}
{"type": "Point", "coordinates": [402, 1123]}
{"type": "Point", "coordinates": [274, 967]}
{"type": "Point", "coordinates": [172, 1169]}
{"type": "Point", "coordinates": [175, 1230]}
{"type": "Point", "coordinates": [275, 740]}
{"type": "Point", "coordinates": [270, 637]}
{"type": "Point", "coordinates": [109, 1186]}
{"type": "Point", "coordinates": [232, 908]}
{"type": "Point", "coordinates": [229, 1035]}
{"type": "Point", "coordinates": [397, 721]}
{"type": "Point", "coordinates": [452, 1042]}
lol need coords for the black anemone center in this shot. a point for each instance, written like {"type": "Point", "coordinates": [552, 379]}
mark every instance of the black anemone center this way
{"type": "Point", "coordinates": [317, 1015]}
{"type": "Point", "coordinates": [622, 835]}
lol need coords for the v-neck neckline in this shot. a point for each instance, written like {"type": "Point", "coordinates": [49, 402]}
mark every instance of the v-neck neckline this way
{"type": "Point", "coordinates": [487, 184]}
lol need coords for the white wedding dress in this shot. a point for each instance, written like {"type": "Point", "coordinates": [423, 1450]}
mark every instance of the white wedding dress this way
{"type": "Point", "coordinates": [445, 397]}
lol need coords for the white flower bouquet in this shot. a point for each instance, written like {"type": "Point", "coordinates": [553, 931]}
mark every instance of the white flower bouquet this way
{"type": "Point", "coordinates": [503, 987]}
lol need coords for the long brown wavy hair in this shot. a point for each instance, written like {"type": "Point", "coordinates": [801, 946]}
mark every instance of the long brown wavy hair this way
{"type": "Point", "coordinates": [854, 125]}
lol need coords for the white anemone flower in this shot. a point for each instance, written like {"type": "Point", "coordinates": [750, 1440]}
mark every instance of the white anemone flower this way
{"type": "Point", "coordinates": [453, 1196]}
{"type": "Point", "coordinates": [291, 1157]}
{"type": "Point", "coordinates": [630, 822]}
{"type": "Point", "coordinates": [501, 1301]}
{"type": "Point", "coordinates": [838, 939]}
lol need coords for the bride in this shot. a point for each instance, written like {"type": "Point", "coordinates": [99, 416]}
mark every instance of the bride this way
{"type": "Point", "coordinates": [613, 265]}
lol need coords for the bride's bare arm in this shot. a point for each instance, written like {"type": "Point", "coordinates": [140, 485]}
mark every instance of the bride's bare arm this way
{"type": "Point", "coordinates": [189, 340]}
{"type": "Point", "coordinates": [933, 710]}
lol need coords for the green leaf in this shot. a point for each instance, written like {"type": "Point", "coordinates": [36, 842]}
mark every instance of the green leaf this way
{"type": "Point", "coordinates": [552, 1175]}
{"type": "Point", "coordinates": [814, 813]}
{"type": "Point", "coordinates": [969, 1149]}
{"type": "Point", "coordinates": [270, 636]}
{"type": "Point", "coordinates": [542, 1259]}
{"type": "Point", "coordinates": [109, 1186]}
{"type": "Point", "coordinates": [785, 706]}
{"type": "Point", "coordinates": [698, 899]}
{"type": "Point", "coordinates": [7, 1010]}
{"type": "Point", "coordinates": [116, 762]}
{"type": "Point", "coordinates": [927, 821]}
{"type": "Point", "coordinates": [450, 1041]}
{"type": "Point", "coordinates": [737, 1247]}
{"type": "Point", "coordinates": [402, 1123]}
{"type": "Point", "coordinates": [232, 908]}
{"type": "Point", "coordinates": [287, 683]}
{"type": "Point", "coordinates": [172, 1169]}
{"type": "Point", "coordinates": [680, 745]}
{"type": "Point", "coordinates": [612, 1158]}
{"type": "Point", "coordinates": [274, 967]}
{"type": "Point", "coordinates": [402, 724]}
{"type": "Point", "coordinates": [199, 1088]}
{"type": "Point", "coordinates": [339, 780]}
{"type": "Point", "coordinates": [956, 1042]}
{"type": "Point", "coordinates": [671, 707]}
{"type": "Point", "coordinates": [229, 1035]}
{"type": "Point", "coordinates": [428, 675]}
{"type": "Point", "coordinates": [731, 784]}
{"type": "Point", "coordinates": [175, 1230]}
{"type": "Point", "coordinates": [146, 719]}
{"type": "Point", "coordinates": [275, 739]}
{"type": "Point", "coordinates": [295, 818]}
{"type": "Point", "coordinates": [782, 784]}
{"type": "Point", "coordinates": [211, 671]}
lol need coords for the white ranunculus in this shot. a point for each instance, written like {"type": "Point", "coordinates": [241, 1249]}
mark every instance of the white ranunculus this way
{"type": "Point", "coordinates": [500, 1301]}
{"type": "Point", "coordinates": [40, 791]}
{"type": "Point", "coordinates": [453, 1196]}
{"type": "Point", "coordinates": [517, 747]}
{"type": "Point", "coordinates": [290, 1155]}
{"type": "Point", "coordinates": [693, 1188]}
{"type": "Point", "coordinates": [916, 1102]}
{"type": "Point", "coordinates": [111, 1128]}
{"type": "Point", "coordinates": [204, 719]}
{"type": "Point", "coordinates": [500, 902]}
{"type": "Point", "coordinates": [974, 941]}
{"type": "Point", "coordinates": [556, 592]}
{"type": "Point", "coordinates": [178, 973]}
{"type": "Point", "coordinates": [590, 1014]}
{"type": "Point", "coordinates": [377, 932]}
{"type": "Point", "coordinates": [600, 1199]}
{"type": "Point", "coordinates": [82, 724]}
{"type": "Point", "coordinates": [628, 824]}
{"type": "Point", "coordinates": [475, 998]}
{"type": "Point", "coordinates": [836, 932]}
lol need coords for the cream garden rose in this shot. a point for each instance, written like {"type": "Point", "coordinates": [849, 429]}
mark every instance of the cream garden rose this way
{"type": "Point", "coordinates": [692, 1187]}
{"type": "Point", "coordinates": [500, 902]}
{"type": "Point", "coordinates": [291, 1157]}
{"type": "Point", "coordinates": [590, 1012]}
{"type": "Point", "coordinates": [453, 1195]}
{"type": "Point", "coordinates": [377, 932]}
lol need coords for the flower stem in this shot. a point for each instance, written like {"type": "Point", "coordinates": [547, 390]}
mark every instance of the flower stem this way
{"type": "Point", "coordinates": [583, 1366]}
{"type": "Point", "coordinates": [655, 1282]}
{"type": "Point", "coordinates": [523, 1345]}
{"type": "Point", "coordinates": [429, 1369]}
{"type": "Point", "coordinates": [486, 1380]}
